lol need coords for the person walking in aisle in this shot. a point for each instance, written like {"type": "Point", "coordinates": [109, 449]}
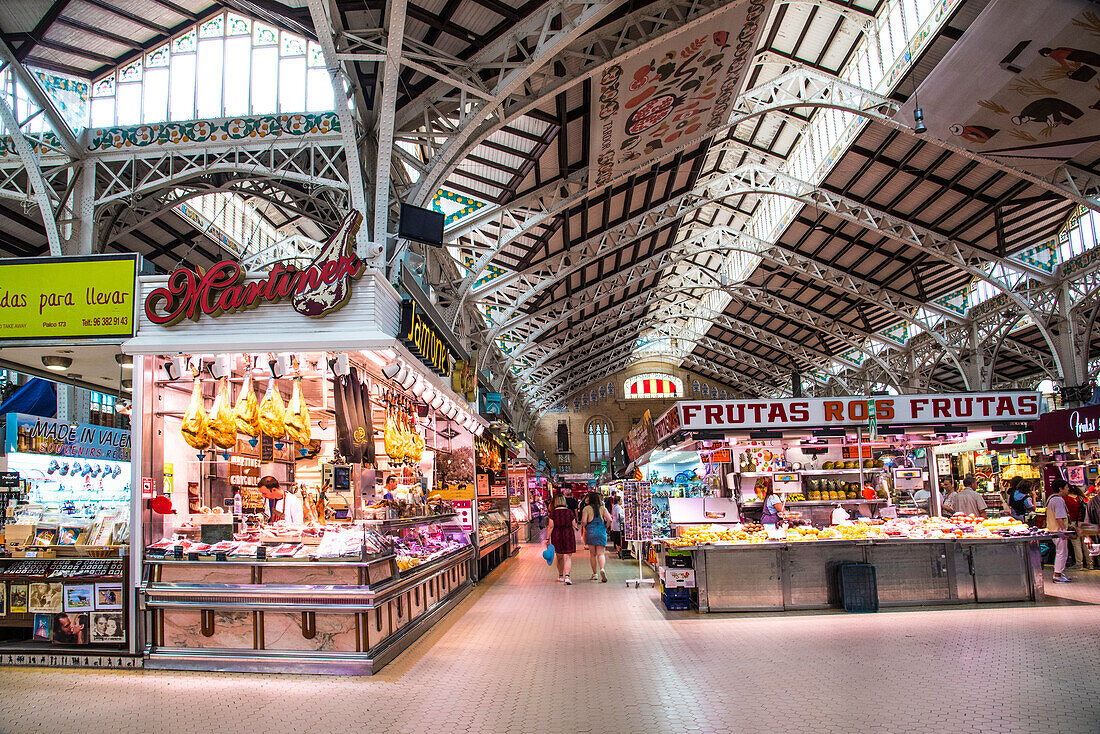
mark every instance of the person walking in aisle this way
{"type": "Point", "coordinates": [1058, 520]}
{"type": "Point", "coordinates": [618, 517]}
{"type": "Point", "coordinates": [1075, 508]}
{"type": "Point", "coordinates": [563, 536]}
{"type": "Point", "coordinates": [594, 520]}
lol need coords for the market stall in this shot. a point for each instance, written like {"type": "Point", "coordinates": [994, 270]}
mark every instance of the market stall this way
{"type": "Point", "coordinates": [307, 471]}
{"type": "Point", "coordinates": [63, 572]}
{"type": "Point", "coordinates": [845, 469]}
{"type": "Point", "coordinates": [66, 590]}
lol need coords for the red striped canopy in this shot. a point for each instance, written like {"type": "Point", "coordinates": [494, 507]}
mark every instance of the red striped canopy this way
{"type": "Point", "coordinates": [657, 388]}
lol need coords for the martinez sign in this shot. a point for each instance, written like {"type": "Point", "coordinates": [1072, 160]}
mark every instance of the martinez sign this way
{"type": "Point", "coordinates": [994, 407]}
{"type": "Point", "coordinates": [319, 289]}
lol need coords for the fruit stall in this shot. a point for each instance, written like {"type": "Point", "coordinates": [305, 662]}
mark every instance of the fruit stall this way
{"type": "Point", "coordinates": [266, 437]}
{"type": "Point", "coordinates": [918, 561]}
{"type": "Point", "coordinates": [862, 456]}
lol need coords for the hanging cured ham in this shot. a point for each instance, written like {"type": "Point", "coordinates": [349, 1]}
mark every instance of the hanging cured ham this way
{"type": "Point", "coordinates": [222, 427]}
{"type": "Point", "coordinates": [343, 432]}
{"type": "Point", "coordinates": [359, 437]}
{"type": "Point", "coordinates": [272, 412]}
{"type": "Point", "coordinates": [194, 429]}
{"type": "Point", "coordinates": [246, 413]}
{"type": "Point", "coordinates": [336, 258]}
{"type": "Point", "coordinates": [368, 424]}
{"type": "Point", "coordinates": [297, 415]}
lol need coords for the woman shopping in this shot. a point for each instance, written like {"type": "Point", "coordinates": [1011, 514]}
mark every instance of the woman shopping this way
{"type": "Point", "coordinates": [595, 519]}
{"type": "Point", "coordinates": [773, 505]}
{"type": "Point", "coordinates": [562, 535]}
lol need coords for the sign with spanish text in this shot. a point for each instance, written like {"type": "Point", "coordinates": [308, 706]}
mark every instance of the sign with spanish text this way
{"type": "Point", "coordinates": [895, 410]}
{"type": "Point", "coordinates": [674, 93]}
{"type": "Point", "coordinates": [67, 297]}
{"type": "Point", "coordinates": [667, 424]}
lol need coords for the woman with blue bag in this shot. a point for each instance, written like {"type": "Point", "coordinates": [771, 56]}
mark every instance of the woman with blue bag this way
{"type": "Point", "coordinates": [562, 536]}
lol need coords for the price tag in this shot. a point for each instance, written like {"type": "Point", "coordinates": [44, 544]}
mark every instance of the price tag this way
{"type": "Point", "coordinates": [32, 554]}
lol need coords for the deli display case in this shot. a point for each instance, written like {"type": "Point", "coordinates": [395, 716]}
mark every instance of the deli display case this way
{"type": "Point", "coordinates": [304, 599]}
{"type": "Point", "coordinates": [493, 532]}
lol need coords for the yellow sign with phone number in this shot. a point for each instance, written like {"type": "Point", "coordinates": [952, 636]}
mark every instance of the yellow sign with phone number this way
{"type": "Point", "coordinates": [67, 298]}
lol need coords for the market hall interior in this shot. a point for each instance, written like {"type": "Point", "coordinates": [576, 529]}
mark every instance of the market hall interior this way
{"type": "Point", "coordinates": [524, 654]}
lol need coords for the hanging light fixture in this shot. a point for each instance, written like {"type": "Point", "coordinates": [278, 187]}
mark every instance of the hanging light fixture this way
{"type": "Point", "coordinates": [57, 364]}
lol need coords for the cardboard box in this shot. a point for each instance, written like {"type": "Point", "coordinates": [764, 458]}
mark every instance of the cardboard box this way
{"type": "Point", "coordinates": [678, 577]}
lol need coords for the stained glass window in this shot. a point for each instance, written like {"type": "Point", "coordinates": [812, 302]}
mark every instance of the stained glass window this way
{"type": "Point", "coordinates": [185, 43]}
{"type": "Point", "coordinates": [239, 26]}
{"type": "Point", "coordinates": [272, 71]}
{"type": "Point", "coordinates": [104, 87]}
{"type": "Point", "coordinates": [654, 385]}
{"type": "Point", "coordinates": [213, 28]}
{"type": "Point", "coordinates": [264, 35]}
{"type": "Point", "coordinates": [293, 45]}
{"type": "Point", "coordinates": [130, 72]}
{"type": "Point", "coordinates": [599, 440]}
{"type": "Point", "coordinates": [157, 58]}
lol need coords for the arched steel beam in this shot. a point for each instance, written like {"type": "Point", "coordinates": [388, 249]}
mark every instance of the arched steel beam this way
{"type": "Point", "coordinates": [526, 48]}
{"type": "Point", "coordinates": [798, 87]}
{"type": "Point", "coordinates": [41, 191]}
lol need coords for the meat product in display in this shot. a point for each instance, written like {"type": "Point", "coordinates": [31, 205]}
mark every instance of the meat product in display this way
{"type": "Point", "coordinates": [359, 436]}
{"type": "Point", "coordinates": [343, 432]}
{"type": "Point", "coordinates": [194, 428]}
{"type": "Point", "coordinates": [297, 416]}
{"type": "Point", "coordinates": [330, 273]}
{"type": "Point", "coordinates": [368, 425]}
{"type": "Point", "coordinates": [272, 412]}
{"type": "Point", "coordinates": [246, 413]}
{"type": "Point", "coordinates": [222, 427]}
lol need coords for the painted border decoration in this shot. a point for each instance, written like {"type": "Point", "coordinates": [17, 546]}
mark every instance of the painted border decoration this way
{"type": "Point", "coordinates": [1024, 82]}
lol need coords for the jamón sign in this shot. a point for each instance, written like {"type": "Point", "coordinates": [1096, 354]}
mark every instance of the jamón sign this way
{"type": "Point", "coordinates": [319, 289]}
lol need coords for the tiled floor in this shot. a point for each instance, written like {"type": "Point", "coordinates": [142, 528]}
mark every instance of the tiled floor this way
{"type": "Point", "coordinates": [525, 654]}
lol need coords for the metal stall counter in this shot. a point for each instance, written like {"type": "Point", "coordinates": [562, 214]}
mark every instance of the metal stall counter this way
{"type": "Point", "coordinates": [779, 576]}
{"type": "Point", "coordinates": [345, 605]}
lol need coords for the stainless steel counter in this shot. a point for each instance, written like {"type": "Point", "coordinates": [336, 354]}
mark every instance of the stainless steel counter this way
{"type": "Point", "coordinates": [779, 576]}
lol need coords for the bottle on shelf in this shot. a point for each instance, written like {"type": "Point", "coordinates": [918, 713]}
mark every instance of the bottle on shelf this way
{"type": "Point", "coordinates": [238, 507]}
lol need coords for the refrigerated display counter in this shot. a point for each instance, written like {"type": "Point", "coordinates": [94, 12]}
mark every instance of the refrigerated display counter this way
{"type": "Point", "coordinates": [344, 614]}
{"type": "Point", "coordinates": [803, 575]}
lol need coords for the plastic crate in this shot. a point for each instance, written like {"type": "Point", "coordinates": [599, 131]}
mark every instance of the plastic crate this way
{"type": "Point", "coordinates": [675, 602]}
{"type": "Point", "coordinates": [859, 587]}
{"type": "Point", "coordinates": [677, 592]}
{"type": "Point", "coordinates": [678, 561]}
